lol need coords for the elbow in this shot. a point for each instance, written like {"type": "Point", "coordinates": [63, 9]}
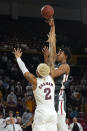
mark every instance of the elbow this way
{"type": "Point", "coordinates": [26, 74]}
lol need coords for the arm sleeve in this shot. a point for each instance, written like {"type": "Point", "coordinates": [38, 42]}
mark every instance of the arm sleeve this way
{"type": "Point", "coordinates": [22, 65]}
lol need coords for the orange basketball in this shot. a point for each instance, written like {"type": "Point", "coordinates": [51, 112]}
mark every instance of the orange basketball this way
{"type": "Point", "coordinates": [47, 11]}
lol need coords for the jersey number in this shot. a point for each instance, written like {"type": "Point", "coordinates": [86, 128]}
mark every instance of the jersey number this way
{"type": "Point", "coordinates": [47, 91]}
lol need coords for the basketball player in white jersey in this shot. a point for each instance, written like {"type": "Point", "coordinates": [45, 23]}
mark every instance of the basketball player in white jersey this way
{"type": "Point", "coordinates": [61, 73]}
{"type": "Point", "coordinates": [45, 118]}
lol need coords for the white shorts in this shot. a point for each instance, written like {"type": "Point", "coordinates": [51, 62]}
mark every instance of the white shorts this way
{"type": "Point", "coordinates": [61, 123]}
{"type": "Point", "coordinates": [45, 119]}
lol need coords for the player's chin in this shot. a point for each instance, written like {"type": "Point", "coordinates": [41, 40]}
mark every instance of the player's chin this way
{"type": "Point", "coordinates": [58, 59]}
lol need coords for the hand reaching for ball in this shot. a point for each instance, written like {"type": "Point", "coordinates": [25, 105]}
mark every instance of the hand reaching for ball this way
{"type": "Point", "coordinates": [50, 21]}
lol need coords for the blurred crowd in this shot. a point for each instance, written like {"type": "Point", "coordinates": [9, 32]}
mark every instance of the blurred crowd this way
{"type": "Point", "coordinates": [16, 97]}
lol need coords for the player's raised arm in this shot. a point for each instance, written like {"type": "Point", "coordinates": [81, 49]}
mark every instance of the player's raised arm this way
{"type": "Point", "coordinates": [63, 69]}
{"type": "Point", "coordinates": [52, 41]}
{"type": "Point", "coordinates": [50, 54]}
{"type": "Point", "coordinates": [30, 77]}
{"type": "Point", "coordinates": [46, 54]}
{"type": "Point", "coordinates": [52, 34]}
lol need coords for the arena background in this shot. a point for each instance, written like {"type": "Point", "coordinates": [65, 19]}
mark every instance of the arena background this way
{"type": "Point", "coordinates": [21, 25]}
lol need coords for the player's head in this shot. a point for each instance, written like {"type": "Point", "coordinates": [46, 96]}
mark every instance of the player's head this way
{"type": "Point", "coordinates": [43, 70]}
{"type": "Point", "coordinates": [64, 54]}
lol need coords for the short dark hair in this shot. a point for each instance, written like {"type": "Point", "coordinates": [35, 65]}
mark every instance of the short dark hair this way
{"type": "Point", "coordinates": [11, 112]}
{"type": "Point", "coordinates": [67, 52]}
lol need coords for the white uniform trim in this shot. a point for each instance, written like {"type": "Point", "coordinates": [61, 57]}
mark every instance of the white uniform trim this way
{"type": "Point", "coordinates": [65, 77]}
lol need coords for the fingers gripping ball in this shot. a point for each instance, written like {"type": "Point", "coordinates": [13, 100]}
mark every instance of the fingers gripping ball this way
{"type": "Point", "coordinates": [47, 11]}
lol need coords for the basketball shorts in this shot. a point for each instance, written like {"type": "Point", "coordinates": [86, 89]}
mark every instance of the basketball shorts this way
{"type": "Point", "coordinates": [45, 119]}
{"type": "Point", "coordinates": [61, 123]}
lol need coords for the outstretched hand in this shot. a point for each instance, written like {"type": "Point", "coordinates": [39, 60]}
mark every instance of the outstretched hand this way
{"type": "Point", "coordinates": [17, 52]}
{"type": "Point", "coordinates": [50, 21]}
{"type": "Point", "coordinates": [45, 51]}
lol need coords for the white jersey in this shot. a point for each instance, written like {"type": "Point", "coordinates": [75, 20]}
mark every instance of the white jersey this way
{"type": "Point", "coordinates": [44, 93]}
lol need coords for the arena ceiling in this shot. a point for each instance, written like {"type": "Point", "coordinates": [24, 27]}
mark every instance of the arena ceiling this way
{"type": "Point", "coordinates": [59, 3]}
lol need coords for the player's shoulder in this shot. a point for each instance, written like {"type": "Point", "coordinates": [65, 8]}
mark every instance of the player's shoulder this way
{"type": "Point", "coordinates": [66, 67]}
{"type": "Point", "coordinates": [49, 78]}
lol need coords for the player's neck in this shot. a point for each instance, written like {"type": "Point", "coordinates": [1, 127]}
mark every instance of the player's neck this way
{"type": "Point", "coordinates": [63, 62]}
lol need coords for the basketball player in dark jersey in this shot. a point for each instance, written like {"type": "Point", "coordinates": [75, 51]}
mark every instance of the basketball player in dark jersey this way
{"type": "Point", "coordinates": [61, 72]}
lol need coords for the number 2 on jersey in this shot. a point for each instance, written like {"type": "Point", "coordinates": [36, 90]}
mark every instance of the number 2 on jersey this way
{"type": "Point", "coordinates": [47, 91]}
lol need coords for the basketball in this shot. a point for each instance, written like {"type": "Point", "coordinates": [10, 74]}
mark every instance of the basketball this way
{"type": "Point", "coordinates": [47, 11]}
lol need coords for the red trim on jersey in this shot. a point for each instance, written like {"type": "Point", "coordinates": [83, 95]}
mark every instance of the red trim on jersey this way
{"type": "Point", "coordinates": [61, 108]}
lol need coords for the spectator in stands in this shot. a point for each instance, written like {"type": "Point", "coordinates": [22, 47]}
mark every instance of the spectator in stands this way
{"type": "Point", "coordinates": [19, 107]}
{"type": "Point", "coordinates": [19, 120]}
{"type": "Point", "coordinates": [2, 121]}
{"type": "Point", "coordinates": [11, 116]}
{"type": "Point", "coordinates": [26, 116]}
{"type": "Point", "coordinates": [13, 126]}
{"type": "Point", "coordinates": [29, 103]}
{"type": "Point", "coordinates": [14, 71]}
{"type": "Point", "coordinates": [29, 89]}
{"type": "Point", "coordinates": [6, 85]}
{"type": "Point", "coordinates": [76, 95]}
{"type": "Point", "coordinates": [14, 68]}
{"type": "Point", "coordinates": [17, 114]}
{"type": "Point", "coordinates": [12, 85]}
{"type": "Point", "coordinates": [8, 122]}
{"type": "Point", "coordinates": [24, 99]}
{"type": "Point", "coordinates": [18, 89]}
{"type": "Point", "coordinates": [27, 126]}
{"type": "Point", "coordinates": [2, 90]}
{"type": "Point", "coordinates": [76, 126]}
{"type": "Point", "coordinates": [75, 113]}
{"type": "Point", "coordinates": [1, 106]}
{"type": "Point", "coordinates": [68, 123]}
{"type": "Point", "coordinates": [12, 101]}
{"type": "Point", "coordinates": [4, 60]}
{"type": "Point", "coordinates": [1, 97]}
